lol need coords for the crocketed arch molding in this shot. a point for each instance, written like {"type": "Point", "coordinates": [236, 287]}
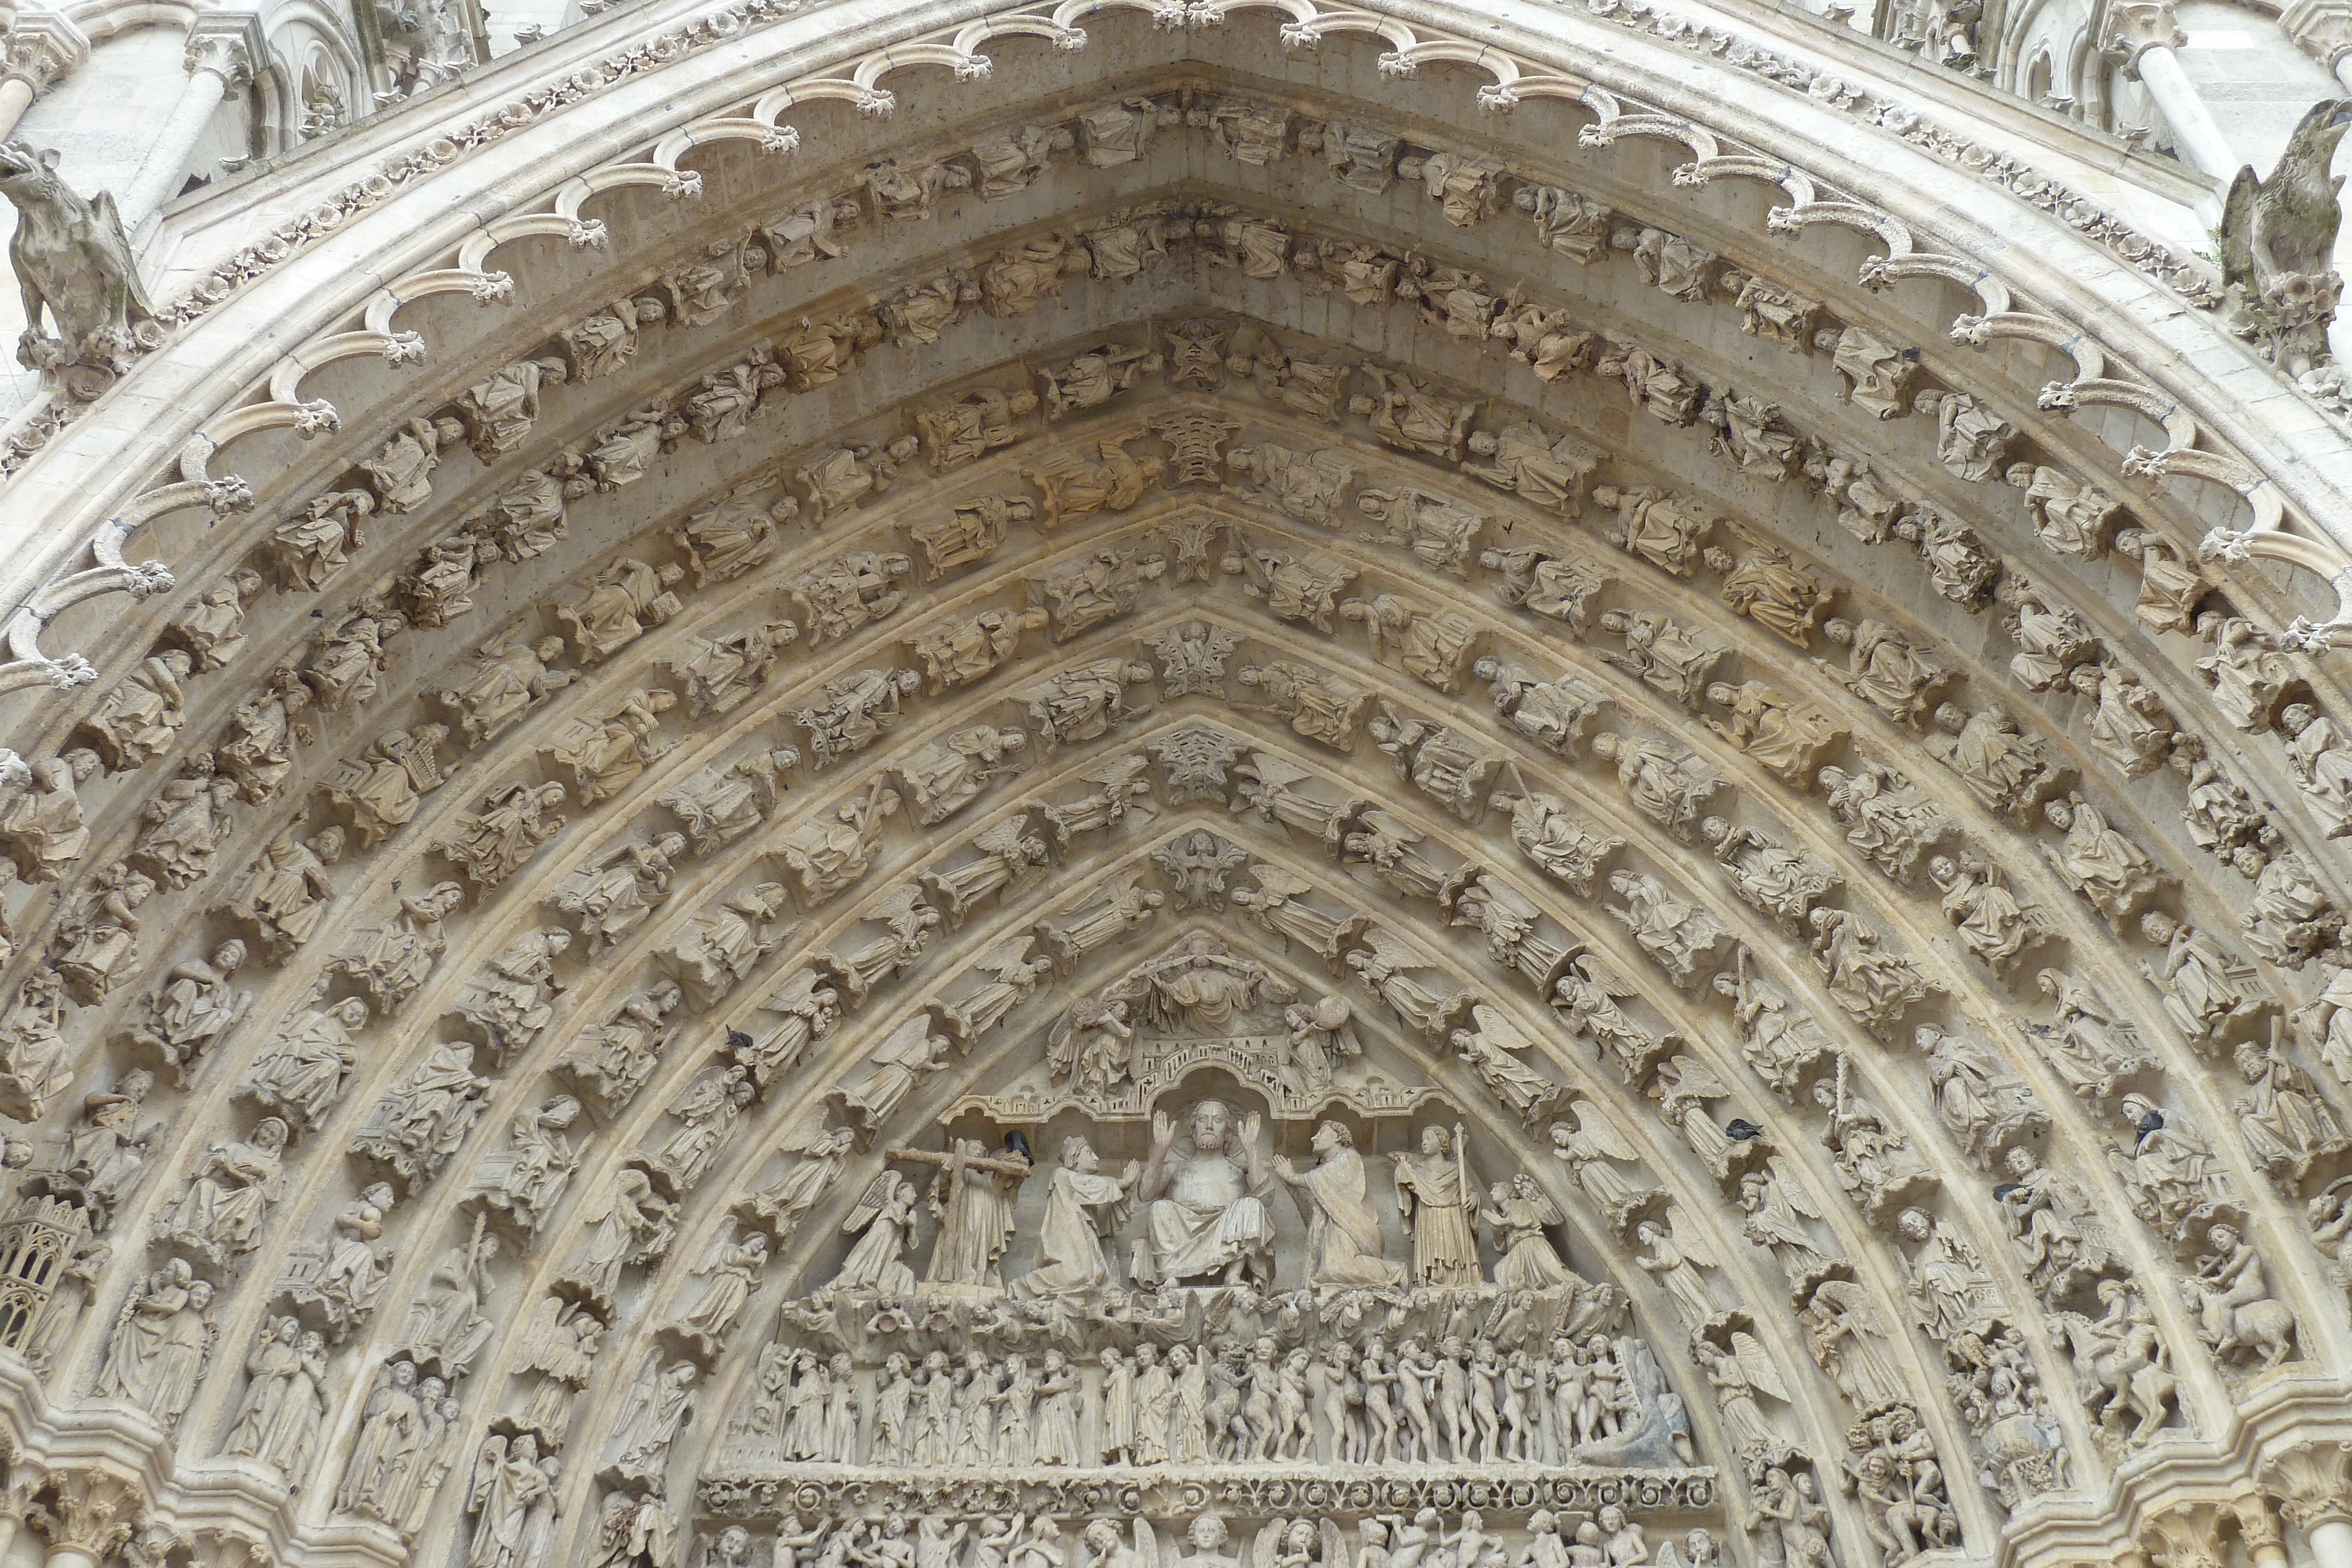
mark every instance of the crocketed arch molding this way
{"type": "Point", "coordinates": [701, 617]}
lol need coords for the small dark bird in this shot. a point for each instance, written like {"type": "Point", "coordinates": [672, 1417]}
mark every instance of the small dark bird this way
{"type": "Point", "coordinates": [738, 1040]}
{"type": "Point", "coordinates": [1018, 1142]}
{"type": "Point", "coordinates": [2151, 1123]}
{"type": "Point", "coordinates": [1739, 1129]}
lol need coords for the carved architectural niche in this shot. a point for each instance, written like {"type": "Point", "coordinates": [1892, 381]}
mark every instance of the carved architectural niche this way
{"type": "Point", "coordinates": [1785, 735]}
{"type": "Point", "coordinates": [617, 606]}
{"type": "Point", "coordinates": [1106, 585]}
{"type": "Point", "coordinates": [854, 712]}
{"type": "Point", "coordinates": [1663, 652]}
{"type": "Point", "coordinates": [1317, 705]}
{"type": "Point", "coordinates": [970, 532]}
{"type": "Point", "coordinates": [1435, 647]}
{"type": "Point", "coordinates": [958, 431]}
{"type": "Point", "coordinates": [1442, 535]}
{"type": "Point", "coordinates": [1295, 585]}
{"type": "Point", "coordinates": [1083, 702]}
{"type": "Point", "coordinates": [720, 806]}
{"type": "Point", "coordinates": [961, 652]}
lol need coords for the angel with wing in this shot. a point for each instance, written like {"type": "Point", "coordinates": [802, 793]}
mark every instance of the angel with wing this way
{"type": "Point", "coordinates": [734, 1269]}
{"type": "Point", "coordinates": [1488, 1050]}
{"type": "Point", "coordinates": [1677, 1254]}
{"type": "Point", "coordinates": [1683, 1086]}
{"type": "Point", "coordinates": [781, 1205]}
{"type": "Point", "coordinates": [886, 1213]}
{"type": "Point", "coordinates": [1739, 1376]}
{"type": "Point", "coordinates": [1588, 991]}
{"type": "Point", "coordinates": [1529, 1260]}
{"type": "Point", "coordinates": [1298, 1544]}
{"type": "Point", "coordinates": [1587, 1146]}
{"type": "Point", "coordinates": [1849, 1338]}
{"type": "Point", "coordinates": [912, 1052]}
{"type": "Point", "coordinates": [1777, 1206]}
{"type": "Point", "coordinates": [1016, 976]}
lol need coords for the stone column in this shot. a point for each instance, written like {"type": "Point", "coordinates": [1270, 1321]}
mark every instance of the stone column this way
{"type": "Point", "coordinates": [220, 57]}
{"type": "Point", "coordinates": [2322, 29]}
{"type": "Point", "coordinates": [85, 1515]}
{"type": "Point", "coordinates": [2313, 1484]}
{"type": "Point", "coordinates": [34, 53]}
{"type": "Point", "coordinates": [2144, 35]}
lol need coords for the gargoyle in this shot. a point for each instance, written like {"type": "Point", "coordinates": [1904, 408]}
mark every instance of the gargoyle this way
{"type": "Point", "coordinates": [2277, 239]}
{"type": "Point", "coordinates": [71, 256]}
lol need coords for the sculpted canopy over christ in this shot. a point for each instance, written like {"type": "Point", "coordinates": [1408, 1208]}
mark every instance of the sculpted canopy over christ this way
{"type": "Point", "coordinates": [1206, 1212]}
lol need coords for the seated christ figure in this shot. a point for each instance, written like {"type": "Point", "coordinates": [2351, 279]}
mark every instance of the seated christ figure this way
{"type": "Point", "coordinates": [1205, 1212]}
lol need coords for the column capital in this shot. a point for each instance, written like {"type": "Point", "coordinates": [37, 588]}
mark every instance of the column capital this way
{"type": "Point", "coordinates": [2131, 27]}
{"type": "Point", "coordinates": [2186, 1537]}
{"type": "Point", "coordinates": [2313, 1483]}
{"type": "Point", "coordinates": [95, 1512]}
{"type": "Point", "coordinates": [40, 49]}
{"type": "Point", "coordinates": [2320, 28]}
{"type": "Point", "coordinates": [228, 44]}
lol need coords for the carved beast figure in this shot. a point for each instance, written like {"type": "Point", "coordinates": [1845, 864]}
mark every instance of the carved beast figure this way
{"type": "Point", "coordinates": [2276, 240]}
{"type": "Point", "coordinates": [71, 256]}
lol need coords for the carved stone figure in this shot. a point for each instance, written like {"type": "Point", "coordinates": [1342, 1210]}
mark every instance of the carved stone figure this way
{"type": "Point", "coordinates": [1405, 414]}
{"type": "Point", "coordinates": [524, 1182]}
{"type": "Point", "coordinates": [1664, 782]}
{"type": "Point", "coordinates": [1295, 586]}
{"type": "Point", "coordinates": [718, 808]}
{"type": "Point", "coordinates": [2277, 240]}
{"type": "Point", "coordinates": [193, 1009]}
{"type": "Point", "coordinates": [1886, 817]}
{"type": "Point", "coordinates": [726, 943]}
{"type": "Point", "coordinates": [1487, 1050]}
{"type": "Point", "coordinates": [856, 711]}
{"type": "Point", "coordinates": [1319, 705]}
{"type": "Point", "coordinates": [1435, 648]}
{"type": "Point", "coordinates": [1784, 1044]}
{"type": "Point", "coordinates": [635, 1227]}
{"type": "Point", "coordinates": [509, 680]}
{"type": "Point", "coordinates": [390, 961]}
{"type": "Point", "coordinates": [963, 652]}
{"type": "Point", "coordinates": [161, 1343]}
{"type": "Point", "coordinates": [1985, 1108]}
{"type": "Point", "coordinates": [1678, 935]}
{"type": "Point", "coordinates": [1568, 848]}
{"type": "Point", "coordinates": [1343, 1232]}
{"type": "Point", "coordinates": [285, 1402]}
{"type": "Point", "coordinates": [1783, 882]}
{"type": "Point", "coordinates": [2111, 873]}
{"type": "Point", "coordinates": [221, 1214]}
{"type": "Point", "coordinates": [613, 896]}
{"type": "Point", "coordinates": [384, 788]}
{"type": "Point", "coordinates": [827, 858]}
{"type": "Point", "coordinates": [1885, 669]}
{"type": "Point", "coordinates": [1204, 1211]}
{"type": "Point", "coordinates": [1866, 982]}
{"type": "Point", "coordinates": [618, 605]}
{"type": "Point", "coordinates": [140, 719]}
{"type": "Point", "coordinates": [40, 814]}
{"type": "Point", "coordinates": [1663, 652]}
{"type": "Point", "coordinates": [1665, 530]}
{"type": "Point", "coordinates": [418, 1127]}
{"type": "Point", "coordinates": [511, 1001]}
{"type": "Point", "coordinates": [1992, 924]}
{"type": "Point", "coordinates": [2005, 769]}
{"type": "Point", "coordinates": [1784, 734]}
{"type": "Point", "coordinates": [1081, 1203]}
{"type": "Point", "coordinates": [1437, 1200]}
{"type": "Point", "coordinates": [614, 1059]}
{"type": "Point", "coordinates": [1083, 701]}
